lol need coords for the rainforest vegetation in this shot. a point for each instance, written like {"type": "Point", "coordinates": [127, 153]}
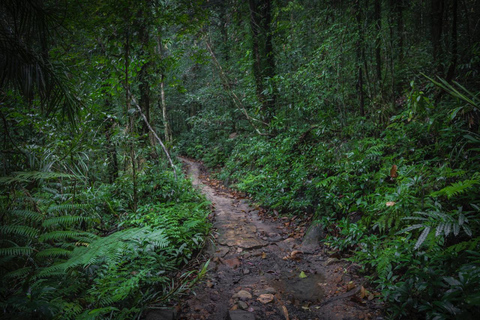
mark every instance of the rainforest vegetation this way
{"type": "Point", "coordinates": [362, 115]}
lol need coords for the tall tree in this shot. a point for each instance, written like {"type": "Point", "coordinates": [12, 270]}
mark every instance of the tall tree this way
{"type": "Point", "coordinates": [263, 55]}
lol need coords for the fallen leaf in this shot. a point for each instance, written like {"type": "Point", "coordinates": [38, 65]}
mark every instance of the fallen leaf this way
{"type": "Point", "coordinates": [264, 255]}
{"type": "Point", "coordinates": [363, 292]}
{"type": "Point", "coordinates": [390, 203]}
{"type": "Point", "coordinates": [302, 275]}
{"type": "Point", "coordinates": [296, 255]}
{"type": "Point", "coordinates": [350, 286]}
{"type": "Point", "coordinates": [232, 263]}
{"type": "Point", "coordinates": [266, 298]}
{"type": "Point", "coordinates": [285, 313]}
{"type": "Point", "coordinates": [393, 171]}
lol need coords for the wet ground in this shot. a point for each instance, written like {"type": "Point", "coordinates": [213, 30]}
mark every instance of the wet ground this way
{"type": "Point", "coordinates": [260, 269]}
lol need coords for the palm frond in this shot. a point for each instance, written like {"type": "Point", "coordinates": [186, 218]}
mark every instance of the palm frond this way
{"type": "Point", "coordinates": [25, 30]}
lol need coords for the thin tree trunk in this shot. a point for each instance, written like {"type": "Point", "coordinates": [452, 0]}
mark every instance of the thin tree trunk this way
{"type": "Point", "coordinates": [378, 42]}
{"type": "Point", "coordinates": [262, 47]}
{"type": "Point", "coordinates": [359, 58]}
{"type": "Point", "coordinates": [130, 120]}
{"type": "Point", "coordinates": [238, 103]}
{"type": "Point", "coordinates": [164, 109]}
{"type": "Point", "coordinates": [163, 103]}
{"type": "Point", "coordinates": [437, 31]}
{"type": "Point", "coordinates": [454, 42]}
{"type": "Point", "coordinates": [155, 135]}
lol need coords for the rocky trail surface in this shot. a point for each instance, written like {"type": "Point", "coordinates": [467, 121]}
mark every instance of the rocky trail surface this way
{"type": "Point", "coordinates": [265, 267]}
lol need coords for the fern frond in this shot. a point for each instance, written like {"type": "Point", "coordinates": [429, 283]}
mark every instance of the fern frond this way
{"type": "Point", "coordinates": [16, 251]}
{"type": "Point", "coordinates": [464, 245]}
{"type": "Point", "coordinates": [67, 207]}
{"type": "Point", "coordinates": [65, 234]}
{"type": "Point", "coordinates": [327, 181]}
{"type": "Point", "coordinates": [20, 230]}
{"type": "Point", "coordinates": [26, 176]}
{"type": "Point", "coordinates": [56, 269]}
{"type": "Point", "coordinates": [53, 252]}
{"type": "Point", "coordinates": [456, 188]}
{"type": "Point", "coordinates": [18, 274]}
{"type": "Point", "coordinates": [108, 247]}
{"type": "Point", "coordinates": [63, 220]}
{"type": "Point", "coordinates": [27, 214]}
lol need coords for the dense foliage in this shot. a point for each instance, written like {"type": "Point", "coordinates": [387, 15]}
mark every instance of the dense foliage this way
{"type": "Point", "coordinates": [94, 223]}
{"type": "Point", "coordinates": [369, 122]}
{"type": "Point", "coordinates": [361, 114]}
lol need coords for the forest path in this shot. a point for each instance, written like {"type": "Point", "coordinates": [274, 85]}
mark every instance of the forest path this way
{"type": "Point", "coordinates": [260, 270]}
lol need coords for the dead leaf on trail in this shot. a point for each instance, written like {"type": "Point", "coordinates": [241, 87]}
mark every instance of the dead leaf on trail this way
{"type": "Point", "coordinates": [350, 286]}
{"type": "Point", "coordinates": [363, 292]}
{"type": "Point", "coordinates": [393, 171]}
{"type": "Point", "coordinates": [232, 263]}
{"type": "Point", "coordinates": [296, 255]}
{"type": "Point", "coordinates": [264, 255]}
{"type": "Point", "coordinates": [266, 298]}
{"type": "Point", "coordinates": [285, 313]}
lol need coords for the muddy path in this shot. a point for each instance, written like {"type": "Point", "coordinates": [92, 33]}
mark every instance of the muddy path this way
{"type": "Point", "coordinates": [260, 269]}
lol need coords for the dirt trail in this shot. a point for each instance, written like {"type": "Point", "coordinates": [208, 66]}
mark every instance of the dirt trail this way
{"type": "Point", "coordinates": [260, 270]}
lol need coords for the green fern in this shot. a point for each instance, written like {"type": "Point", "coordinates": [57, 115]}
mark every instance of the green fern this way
{"type": "Point", "coordinates": [63, 220]}
{"type": "Point", "coordinates": [26, 176]}
{"type": "Point", "coordinates": [53, 252]}
{"type": "Point", "coordinates": [19, 273]}
{"type": "Point", "coordinates": [62, 235]}
{"type": "Point", "coordinates": [456, 188]}
{"type": "Point", "coordinates": [107, 248]}
{"type": "Point", "coordinates": [16, 251]}
{"type": "Point", "coordinates": [67, 207]}
{"type": "Point", "coordinates": [464, 245]}
{"type": "Point", "coordinates": [20, 230]}
{"type": "Point", "coordinates": [27, 214]}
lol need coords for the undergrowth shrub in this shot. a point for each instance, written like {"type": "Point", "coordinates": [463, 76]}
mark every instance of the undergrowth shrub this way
{"type": "Point", "coordinates": [74, 252]}
{"type": "Point", "coordinates": [402, 199]}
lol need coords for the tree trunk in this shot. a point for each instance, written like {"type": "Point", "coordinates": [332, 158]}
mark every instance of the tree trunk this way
{"type": "Point", "coordinates": [437, 31]}
{"type": "Point", "coordinates": [359, 58]}
{"type": "Point", "coordinates": [378, 42]}
{"type": "Point", "coordinates": [168, 135]}
{"type": "Point", "coordinates": [130, 121]}
{"type": "Point", "coordinates": [454, 42]}
{"type": "Point", "coordinates": [163, 103]}
{"type": "Point", "coordinates": [263, 55]}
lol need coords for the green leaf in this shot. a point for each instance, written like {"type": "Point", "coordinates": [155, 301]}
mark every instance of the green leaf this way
{"type": "Point", "coordinates": [422, 237]}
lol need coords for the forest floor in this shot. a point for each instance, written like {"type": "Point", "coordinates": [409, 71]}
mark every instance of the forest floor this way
{"type": "Point", "coordinates": [267, 267]}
